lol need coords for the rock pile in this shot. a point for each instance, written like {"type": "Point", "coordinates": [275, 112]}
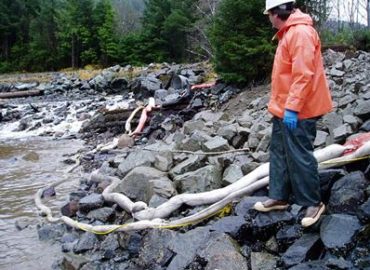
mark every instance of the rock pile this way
{"type": "Point", "coordinates": [244, 239]}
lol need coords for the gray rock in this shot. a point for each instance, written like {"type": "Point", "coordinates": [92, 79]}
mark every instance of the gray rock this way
{"type": "Point", "coordinates": [321, 138]}
{"type": "Point", "coordinates": [50, 232]}
{"type": "Point", "coordinates": [362, 109]}
{"type": "Point", "coordinates": [243, 207]}
{"type": "Point", "coordinates": [155, 248]}
{"type": "Point", "coordinates": [90, 202]}
{"type": "Point", "coordinates": [88, 241]}
{"type": "Point", "coordinates": [142, 182]}
{"type": "Point", "coordinates": [264, 225]}
{"type": "Point", "coordinates": [222, 252]}
{"type": "Point", "coordinates": [209, 116]}
{"type": "Point", "coordinates": [231, 174]}
{"type": "Point", "coordinates": [185, 246]}
{"type": "Point", "coordinates": [341, 132]}
{"type": "Point", "coordinates": [190, 164]}
{"type": "Point", "coordinates": [163, 161]}
{"type": "Point", "coordinates": [353, 121]}
{"type": "Point", "coordinates": [109, 246]}
{"type": "Point", "coordinates": [305, 248]}
{"type": "Point", "coordinates": [102, 214]}
{"type": "Point", "coordinates": [365, 126]}
{"type": "Point", "coordinates": [203, 179]}
{"type": "Point", "coordinates": [264, 143]}
{"type": "Point", "coordinates": [228, 132]}
{"type": "Point", "coordinates": [261, 156]}
{"type": "Point", "coordinates": [193, 125]}
{"type": "Point", "coordinates": [336, 73]}
{"type": "Point", "coordinates": [253, 141]}
{"type": "Point", "coordinates": [263, 261]}
{"type": "Point", "coordinates": [338, 233]}
{"type": "Point", "coordinates": [286, 236]}
{"type": "Point", "coordinates": [135, 159]}
{"type": "Point", "coordinates": [216, 144]}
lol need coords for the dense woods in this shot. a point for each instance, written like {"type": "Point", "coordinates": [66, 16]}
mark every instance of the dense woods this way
{"type": "Point", "coordinates": [46, 35]}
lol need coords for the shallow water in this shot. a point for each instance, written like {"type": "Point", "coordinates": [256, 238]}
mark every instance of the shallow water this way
{"type": "Point", "coordinates": [25, 166]}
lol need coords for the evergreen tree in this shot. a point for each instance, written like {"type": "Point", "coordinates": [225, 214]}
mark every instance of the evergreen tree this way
{"type": "Point", "coordinates": [241, 40]}
{"type": "Point", "coordinates": [76, 32]}
{"type": "Point", "coordinates": [43, 48]}
{"type": "Point", "coordinates": [165, 27]}
{"type": "Point", "coordinates": [104, 19]}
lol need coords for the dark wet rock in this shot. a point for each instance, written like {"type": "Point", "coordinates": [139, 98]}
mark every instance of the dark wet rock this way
{"type": "Point", "coordinates": [131, 242]}
{"type": "Point", "coordinates": [287, 235]}
{"type": "Point", "coordinates": [222, 252]}
{"type": "Point", "coordinates": [339, 263]}
{"type": "Point", "coordinates": [246, 204]}
{"type": "Point", "coordinates": [314, 265]}
{"type": "Point", "coordinates": [264, 225]}
{"type": "Point", "coordinates": [90, 202]}
{"type": "Point", "coordinates": [88, 241]}
{"type": "Point", "coordinates": [72, 261]}
{"type": "Point", "coordinates": [70, 209]}
{"type": "Point", "coordinates": [109, 246]}
{"type": "Point", "coordinates": [348, 193]}
{"type": "Point", "coordinates": [118, 85]}
{"type": "Point", "coordinates": [154, 250]}
{"type": "Point", "coordinates": [308, 247]}
{"type": "Point", "coordinates": [230, 225]}
{"type": "Point", "coordinates": [263, 261]}
{"type": "Point", "coordinates": [50, 232]}
{"type": "Point", "coordinates": [363, 212]}
{"type": "Point", "coordinates": [338, 232]}
{"type": "Point", "coordinates": [327, 179]}
{"type": "Point", "coordinates": [185, 247]}
{"type": "Point", "coordinates": [104, 214]}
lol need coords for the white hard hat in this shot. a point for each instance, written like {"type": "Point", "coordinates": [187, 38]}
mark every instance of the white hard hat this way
{"type": "Point", "coordinates": [274, 3]}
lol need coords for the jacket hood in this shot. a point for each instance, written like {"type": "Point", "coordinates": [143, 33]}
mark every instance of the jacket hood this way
{"type": "Point", "coordinates": [298, 17]}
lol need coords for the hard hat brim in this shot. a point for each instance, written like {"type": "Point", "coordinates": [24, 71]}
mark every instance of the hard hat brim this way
{"type": "Point", "coordinates": [266, 12]}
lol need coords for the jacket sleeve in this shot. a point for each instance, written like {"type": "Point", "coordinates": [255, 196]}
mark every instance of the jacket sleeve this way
{"type": "Point", "coordinates": [301, 47]}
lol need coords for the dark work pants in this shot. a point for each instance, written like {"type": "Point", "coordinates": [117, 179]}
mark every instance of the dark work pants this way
{"type": "Point", "coordinates": [293, 168]}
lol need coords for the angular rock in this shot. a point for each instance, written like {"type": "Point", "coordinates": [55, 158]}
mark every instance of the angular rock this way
{"type": "Point", "coordinates": [216, 144]}
{"type": "Point", "coordinates": [265, 225]}
{"type": "Point", "coordinates": [102, 214]}
{"type": "Point", "coordinates": [263, 261]}
{"type": "Point", "coordinates": [362, 109]}
{"type": "Point", "coordinates": [327, 179]}
{"type": "Point", "coordinates": [287, 235]}
{"type": "Point", "coordinates": [338, 233]}
{"type": "Point", "coordinates": [348, 193]}
{"type": "Point", "coordinates": [321, 138]}
{"type": "Point", "coordinates": [141, 183]}
{"type": "Point", "coordinates": [232, 174]}
{"type": "Point", "coordinates": [246, 204]}
{"type": "Point", "coordinates": [163, 161]}
{"type": "Point", "coordinates": [88, 241]}
{"type": "Point", "coordinates": [190, 164]}
{"type": "Point", "coordinates": [363, 212]}
{"type": "Point", "coordinates": [203, 179]}
{"type": "Point", "coordinates": [222, 252]}
{"type": "Point", "coordinates": [135, 159]}
{"type": "Point", "coordinates": [185, 246]}
{"type": "Point", "coordinates": [308, 247]}
{"type": "Point", "coordinates": [90, 202]}
{"type": "Point", "coordinates": [155, 248]}
{"type": "Point", "coordinates": [230, 225]}
{"type": "Point", "coordinates": [228, 131]}
{"type": "Point", "coordinates": [341, 132]}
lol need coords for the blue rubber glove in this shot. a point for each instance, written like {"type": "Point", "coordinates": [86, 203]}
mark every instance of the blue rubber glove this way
{"type": "Point", "coordinates": [290, 119]}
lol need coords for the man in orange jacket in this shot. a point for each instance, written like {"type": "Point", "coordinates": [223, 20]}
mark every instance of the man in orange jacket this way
{"type": "Point", "coordinates": [299, 95]}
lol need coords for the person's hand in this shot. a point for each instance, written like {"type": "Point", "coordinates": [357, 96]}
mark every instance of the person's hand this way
{"type": "Point", "coordinates": [290, 119]}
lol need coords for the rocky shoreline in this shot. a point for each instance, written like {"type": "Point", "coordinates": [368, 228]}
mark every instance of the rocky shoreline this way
{"type": "Point", "coordinates": [209, 119]}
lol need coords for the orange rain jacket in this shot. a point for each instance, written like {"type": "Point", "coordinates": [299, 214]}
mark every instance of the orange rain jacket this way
{"type": "Point", "coordinates": [298, 77]}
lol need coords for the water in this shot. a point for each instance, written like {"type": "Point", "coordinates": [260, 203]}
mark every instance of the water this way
{"type": "Point", "coordinates": [25, 166]}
